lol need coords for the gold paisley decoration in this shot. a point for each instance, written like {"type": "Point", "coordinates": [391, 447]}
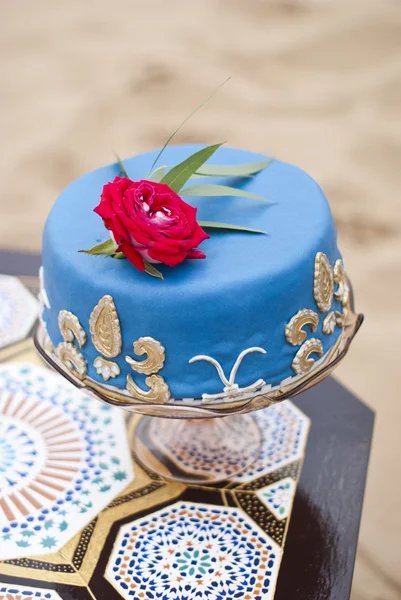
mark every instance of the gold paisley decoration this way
{"type": "Point", "coordinates": [104, 327]}
{"type": "Point", "coordinates": [339, 279]}
{"type": "Point", "coordinates": [71, 328]}
{"type": "Point", "coordinates": [294, 333]}
{"type": "Point", "coordinates": [72, 359]}
{"type": "Point", "coordinates": [323, 282]}
{"type": "Point", "coordinates": [158, 392]}
{"type": "Point", "coordinates": [155, 356]}
{"type": "Point", "coordinates": [302, 362]}
{"type": "Point", "coordinates": [106, 368]}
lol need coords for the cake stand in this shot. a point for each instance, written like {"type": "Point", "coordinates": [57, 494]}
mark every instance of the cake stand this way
{"type": "Point", "coordinates": [203, 443]}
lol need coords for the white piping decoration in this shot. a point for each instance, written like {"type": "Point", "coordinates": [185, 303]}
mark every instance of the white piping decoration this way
{"type": "Point", "coordinates": [231, 389]}
{"type": "Point", "coordinates": [43, 297]}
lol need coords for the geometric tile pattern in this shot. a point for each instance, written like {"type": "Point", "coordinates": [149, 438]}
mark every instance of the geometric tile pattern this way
{"type": "Point", "coordinates": [231, 524]}
{"type": "Point", "coordinates": [19, 592]}
{"type": "Point", "coordinates": [18, 310]}
{"type": "Point", "coordinates": [278, 497]}
{"type": "Point", "coordinates": [285, 430]}
{"type": "Point", "coordinates": [191, 550]}
{"type": "Point", "coordinates": [63, 457]}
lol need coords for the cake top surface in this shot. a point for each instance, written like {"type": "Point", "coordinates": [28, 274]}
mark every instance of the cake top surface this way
{"type": "Point", "coordinates": [296, 222]}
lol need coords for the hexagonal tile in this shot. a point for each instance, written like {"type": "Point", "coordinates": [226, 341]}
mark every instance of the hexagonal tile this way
{"type": "Point", "coordinates": [285, 429]}
{"type": "Point", "coordinates": [18, 310]}
{"type": "Point", "coordinates": [191, 550]}
{"type": "Point", "coordinates": [63, 457]}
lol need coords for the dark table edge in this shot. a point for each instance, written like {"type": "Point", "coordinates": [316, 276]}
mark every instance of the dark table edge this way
{"type": "Point", "coordinates": [332, 584]}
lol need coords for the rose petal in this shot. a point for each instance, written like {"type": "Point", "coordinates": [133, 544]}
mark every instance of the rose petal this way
{"type": "Point", "coordinates": [199, 235]}
{"type": "Point", "coordinates": [196, 254]}
{"type": "Point", "coordinates": [168, 259]}
{"type": "Point", "coordinates": [189, 211]}
{"type": "Point", "coordinates": [171, 247]}
{"type": "Point", "coordinates": [119, 232]}
{"type": "Point", "coordinates": [104, 208]}
{"type": "Point", "coordinates": [133, 256]}
{"type": "Point", "coordinates": [135, 229]}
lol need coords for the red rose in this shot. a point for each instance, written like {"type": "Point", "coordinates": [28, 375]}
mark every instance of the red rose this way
{"type": "Point", "coordinates": [149, 221]}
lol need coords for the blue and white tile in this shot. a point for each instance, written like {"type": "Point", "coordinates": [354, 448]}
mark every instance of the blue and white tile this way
{"type": "Point", "coordinates": [285, 431]}
{"type": "Point", "coordinates": [18, 310]}
{"type": "Point", "coordinates": [63, 457]}
{"type": "Point", "coordinates": [190, 550]}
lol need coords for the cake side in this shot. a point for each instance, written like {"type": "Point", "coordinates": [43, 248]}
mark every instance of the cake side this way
{"type": "Point", "coordinates": [244, 295]}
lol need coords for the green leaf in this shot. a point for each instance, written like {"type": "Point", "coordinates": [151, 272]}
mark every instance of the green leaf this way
{"type": "Point", "coordinates": [123, 172]}
{"type": "Point", "coordinates": [158, 174]}
{"type": "Point", "coordinates": [106, 248]}
{"type": "Point", "coordinates": [151, 270]}
{"type": "Point", "coordinates": [183, 123]}
{"type": "Point", "coordinates": [209, 189]}
{"type": "Point", "coordinates": [119, 255]}
{"type": "Point", "coordinates": [233, 170]}
{"type": "Point", "coordinates": [179, 175]}
{"type": "Point", "coordinates": [228, 226]}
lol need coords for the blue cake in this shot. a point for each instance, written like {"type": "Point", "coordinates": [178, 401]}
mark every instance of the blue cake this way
{"type": "Point", "coordinates": [259, 312]}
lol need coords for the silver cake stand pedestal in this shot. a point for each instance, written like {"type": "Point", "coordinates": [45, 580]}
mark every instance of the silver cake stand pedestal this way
{"type": "Point", "coordinates": [213, 441]}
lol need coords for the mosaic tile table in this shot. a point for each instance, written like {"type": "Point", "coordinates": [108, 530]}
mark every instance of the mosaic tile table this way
{"type": "Point", "coordinates": [80, 519]}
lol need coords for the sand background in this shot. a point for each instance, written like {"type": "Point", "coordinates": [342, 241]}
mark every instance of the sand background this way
{"type": "Point", "coordinates": [316, 83]}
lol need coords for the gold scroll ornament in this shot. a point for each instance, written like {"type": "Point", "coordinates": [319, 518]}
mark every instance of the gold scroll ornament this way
{"type": "Point", "coordinates": [155, 356]}
{"type": "Point", "coordinates": [104, 327]}
{"type": "Point", "coordinates": [71, 328]}
{"type": "Point", "coordinates": [302, 362]}
{"type": "Point", "coordinates": [67, 353]}
{"type": "Point", "coordinates": [294, 332]}
{"type": "Point", "coordinates": [72, 359]}
{"type": "Point", "coordinates": [159, 392]}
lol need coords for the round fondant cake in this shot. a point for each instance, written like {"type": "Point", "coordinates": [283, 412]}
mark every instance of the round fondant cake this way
{"type": "Point", "coordinates": [260, 310]}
